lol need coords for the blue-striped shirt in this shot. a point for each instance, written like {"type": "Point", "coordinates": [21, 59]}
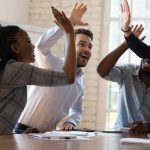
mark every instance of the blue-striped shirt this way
{"type": "Point", "coordinates": [134, 97]}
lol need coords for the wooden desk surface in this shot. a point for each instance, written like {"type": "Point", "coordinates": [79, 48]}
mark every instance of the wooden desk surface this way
{"type": "Point", "coordinates": [102, 142]}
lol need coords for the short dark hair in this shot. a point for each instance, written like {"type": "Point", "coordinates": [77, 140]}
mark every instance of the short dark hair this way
{"type": "Point", "coordinates": [84, 31]}
{"type": "Point", "coordinates": [7, 37]}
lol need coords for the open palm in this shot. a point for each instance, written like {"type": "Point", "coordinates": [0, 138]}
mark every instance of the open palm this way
{"type": "Point", "coordinates": [77, 13]}
{"type": "Point", "coordinates": [125, 15]}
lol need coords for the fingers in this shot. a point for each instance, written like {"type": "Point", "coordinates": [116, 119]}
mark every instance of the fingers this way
{"type": "Point", "coordinates": [137, 127]}
{"type": "Point", "coordinates": [68, 126]}
{"type": "Point", "coordinates": [75, 5]}
{"type": "Point", "coordinates": [84, 24]}
{"type": "Point", "coordinates": [142, 38]}
{"type": "Point", "coordinates": [137, 30]}
{"type": "Point", "coordinates": [56, 14]}
{"type": "Point", "coordinates": [60, 16]}
{"type": "Point", "coordinates": [121, 8]}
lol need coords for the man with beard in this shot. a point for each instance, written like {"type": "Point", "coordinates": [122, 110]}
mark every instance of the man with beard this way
{"type": "Point", "coordinates": [143, 51]}
{"type": "Point", "coordinates": [47, 106]}
{"type": "Point", "coordinates": [134, 82]}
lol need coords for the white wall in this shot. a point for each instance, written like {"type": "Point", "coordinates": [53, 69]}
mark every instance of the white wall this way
{"type": "Point", "coordinates": [14, 11]}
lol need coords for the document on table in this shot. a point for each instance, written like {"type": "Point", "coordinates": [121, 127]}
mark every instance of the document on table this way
{"type": "Point", "coordinates": [122, 130]}
{"type": "Point", "coordinates": [135, 141]}
{"type": "Point", "coordinates": [63, 135]}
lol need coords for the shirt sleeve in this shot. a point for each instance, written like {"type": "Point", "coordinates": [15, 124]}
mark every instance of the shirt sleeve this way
{"type": "Point", "coordinates": [138, 47]}
{"type": "Point", "coordinates": [115, 75]}
{"type": "Point", "coordinates": [44, 57]}
{"type": "Point", "coordinates": [22, 74]}
{"type": "Point", "coordinates": [76, 111]}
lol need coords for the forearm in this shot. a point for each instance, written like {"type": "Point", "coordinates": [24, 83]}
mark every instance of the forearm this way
{"type": "Point", "coordinates": [110, 60]}
{"type": "Point", "coordinates": [137, 46]}
{"type": "Point", "coordinates": [70, 58]}
{"type": "Point", "coordinates": [49, 38]}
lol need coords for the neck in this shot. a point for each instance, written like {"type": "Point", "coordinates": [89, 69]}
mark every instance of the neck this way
{"type": "Point", "coordinates": [78, 69]}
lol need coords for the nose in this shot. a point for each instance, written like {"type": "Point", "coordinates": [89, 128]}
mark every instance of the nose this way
{"type": "Point", "coordinates": [87, 49]}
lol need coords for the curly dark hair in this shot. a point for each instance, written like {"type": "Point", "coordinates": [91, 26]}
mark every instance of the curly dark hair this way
{"type": "Point", "coordinates": [7, 37]}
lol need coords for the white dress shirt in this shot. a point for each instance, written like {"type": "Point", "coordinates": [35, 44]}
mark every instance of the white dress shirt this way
{"type": "Point", "coordinates": [46, 106]}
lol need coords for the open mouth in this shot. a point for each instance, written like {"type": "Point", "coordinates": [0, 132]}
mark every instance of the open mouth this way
{"type": "Point", "coordinates": [84, 57]}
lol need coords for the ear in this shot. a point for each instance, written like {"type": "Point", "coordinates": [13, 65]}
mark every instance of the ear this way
{"type": "Point", "coordinates": [14, 48]}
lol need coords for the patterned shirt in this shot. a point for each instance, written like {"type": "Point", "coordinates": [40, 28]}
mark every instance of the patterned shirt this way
{"type": "Point", "coordinates": [53, 103]}
{"type": "Point", "coordinates": [13, 90]}
{"type": "Point", "coordinates": [134, 97]}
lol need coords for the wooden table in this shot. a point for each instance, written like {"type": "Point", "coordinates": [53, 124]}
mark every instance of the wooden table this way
{"type": "Point", "coordinates": [109, 141]}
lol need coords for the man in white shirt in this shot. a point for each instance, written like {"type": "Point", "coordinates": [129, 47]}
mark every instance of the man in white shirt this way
{"type": "Point", "coordinates": [47, 106]}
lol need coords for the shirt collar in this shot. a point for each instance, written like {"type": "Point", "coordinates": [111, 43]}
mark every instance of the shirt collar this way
{"type": "Point", "coordinates": [80, 73]}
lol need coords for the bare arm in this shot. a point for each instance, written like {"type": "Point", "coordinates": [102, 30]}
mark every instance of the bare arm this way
{"type": "Point", "coordinates": [70, 59]}
{"type": "Point", "coordinates": [105, 66]}
{"type": "Point", "coordinates": [110, 60]}
{"type": "Point", "coordinates": [137, 46]}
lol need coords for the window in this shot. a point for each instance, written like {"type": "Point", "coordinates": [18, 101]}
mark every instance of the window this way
{"type": "Point", "coordinates": [140, 10]}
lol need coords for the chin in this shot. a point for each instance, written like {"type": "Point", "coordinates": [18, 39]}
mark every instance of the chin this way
{"type": "Point", "coordinates": [81, 65]}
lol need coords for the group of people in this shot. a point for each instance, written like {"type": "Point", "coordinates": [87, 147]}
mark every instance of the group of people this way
{"type": "Point", "coordinates": [56, 85]}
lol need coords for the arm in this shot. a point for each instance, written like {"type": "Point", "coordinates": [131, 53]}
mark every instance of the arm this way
{"type": "Point", "coordinates": [49, 38]}
{"type": "Point", "coordinates": [22, 74]}
{"type": "Point", "coordinates": [53, 34]}
{"type": "Point", "coordinates": [44, 57]}
{"type": "Point", "coordinates": [75, 114]}
{"type": "Point", "coordinates": [106, 65]}
{"type": "Point", "coordinates": [70, 59]}
{"type": "Point", "coordinates": [137, 46]}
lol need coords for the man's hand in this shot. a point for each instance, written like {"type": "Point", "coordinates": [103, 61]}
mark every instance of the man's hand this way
{"type": "Point", "coordinates": [76, 14]}
{"type": "Point", "coordinates": [68, 126]}
{"type": "Point", "coordinates": [139, 127]}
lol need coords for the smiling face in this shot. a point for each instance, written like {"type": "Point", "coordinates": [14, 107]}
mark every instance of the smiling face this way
{"type": "Point", "coordinates": [23, 47]}
{"type": "Point", "coordinates": [83, 48]}
{"type": "Point", "coordinates": [145, 67]}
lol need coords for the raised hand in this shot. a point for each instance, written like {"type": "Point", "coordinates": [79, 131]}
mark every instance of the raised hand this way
{"type": "Point", "coordinates": [125, 16]}
{"type": "Point", "coordinates": [76, 14]}
{"type": "Point", "coordinates": [137, 30]}
{"type": "Point", "coordinates": [62, 21]}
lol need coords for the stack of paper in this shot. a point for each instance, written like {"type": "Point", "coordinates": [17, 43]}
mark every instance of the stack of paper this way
{"type": "Point", "coordinates": [56, 135]}
{"type": "Point", "coordinates": [46, 136]}
{"type": "Point", "coordinates": [135, 141]}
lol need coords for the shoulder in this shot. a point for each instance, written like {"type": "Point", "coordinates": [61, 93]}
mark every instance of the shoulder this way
{"type": "Point", "coordinates": [12, 64]}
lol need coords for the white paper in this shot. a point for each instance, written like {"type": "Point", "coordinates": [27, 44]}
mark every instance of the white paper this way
{"type": "Point", "coordinates": [125, 129]}
{"type": "Point", "coordinates": [135, 141]}
{"type": "Point", "coordinates": [63, 135]}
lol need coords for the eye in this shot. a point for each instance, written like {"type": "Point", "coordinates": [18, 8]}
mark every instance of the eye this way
{"type": "Point", "coordinates": [90, 46]}
{"type": "Point", "coordinates": [81, 44]}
